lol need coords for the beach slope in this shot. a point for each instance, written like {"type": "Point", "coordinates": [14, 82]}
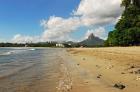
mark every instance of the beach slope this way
{"type": "Point", "coordinates": [113, 69]}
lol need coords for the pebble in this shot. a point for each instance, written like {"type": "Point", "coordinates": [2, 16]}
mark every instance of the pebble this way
{"type": "Point", "coordinates": [119, 86]}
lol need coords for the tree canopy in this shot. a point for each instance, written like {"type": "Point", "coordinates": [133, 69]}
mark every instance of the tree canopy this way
{"type": "Point", "coordinates": [127, 30]}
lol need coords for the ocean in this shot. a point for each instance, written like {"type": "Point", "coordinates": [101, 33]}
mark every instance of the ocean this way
{"type": "Point", "coordinates": [29, 69]}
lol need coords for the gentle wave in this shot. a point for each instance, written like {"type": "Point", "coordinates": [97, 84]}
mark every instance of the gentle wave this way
{"type": "Point", "coordinates": [6, 53]}
{"type": "Point", "coordinates": [16, 51]}
{"type": "Point", "coordinates": [32, 49]}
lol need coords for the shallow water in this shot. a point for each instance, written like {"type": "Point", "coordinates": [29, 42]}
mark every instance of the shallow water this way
{"type": "Point", "coordinates": [29, 70]}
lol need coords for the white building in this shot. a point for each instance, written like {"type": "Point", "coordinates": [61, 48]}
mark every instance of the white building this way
{"type": "Point", "coordinates": [60, 45]}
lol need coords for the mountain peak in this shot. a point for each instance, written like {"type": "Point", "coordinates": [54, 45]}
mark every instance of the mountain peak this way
{"type": "Point", "coordinates": [92, 41]}
{"type": "Point", "coordinates": [91, 36]}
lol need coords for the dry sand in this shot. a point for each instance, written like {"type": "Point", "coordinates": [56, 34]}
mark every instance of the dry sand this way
{"type": "Point", "coordinates": [99, 69]}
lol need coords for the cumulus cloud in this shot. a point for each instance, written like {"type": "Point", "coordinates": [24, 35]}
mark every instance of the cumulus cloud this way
{"type": "Point", "coordinates": [97, 12]}
{"type": "Point", "coordinates": [88, 13]}
{"type": "Point", "coordinates": [58, 28]}
{"type": "Point", "coordinates": [18, 38]}
{"type": "Point", "coordinates": [99, 8]}
{"type": "Point", "coordinates": [99, 32]}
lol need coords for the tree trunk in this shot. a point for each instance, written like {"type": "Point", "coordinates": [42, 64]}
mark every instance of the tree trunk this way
{"type": "Point", "coordinates": [136, 2]}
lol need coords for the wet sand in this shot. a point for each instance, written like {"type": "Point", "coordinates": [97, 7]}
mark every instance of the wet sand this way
{"type": "Point", "coordinates": [99, 69]}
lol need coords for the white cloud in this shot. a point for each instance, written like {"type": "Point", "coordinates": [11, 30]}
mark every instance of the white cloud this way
{"type": "Point", "coordinates": [99, 8]}
{"type": "Point", "coordinates": [88, 13]}
{"type": "Point", "coordinates": [98, 12]}
{"type": "Point", "coordinates": [58, 28]}
{"type": "Point", "coordinates": [24, 39]}
{"type": "Point", "coordinates": [99, 32]}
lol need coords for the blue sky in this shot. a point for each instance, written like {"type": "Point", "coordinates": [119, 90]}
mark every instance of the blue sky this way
{"type": "Point", "coordinates": [24, 17]}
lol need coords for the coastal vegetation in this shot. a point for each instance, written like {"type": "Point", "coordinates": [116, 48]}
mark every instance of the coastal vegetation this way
{"type": "Point", "coordinates": [40, 44]}
{"type": "Point", "coordinates": [127, 30]}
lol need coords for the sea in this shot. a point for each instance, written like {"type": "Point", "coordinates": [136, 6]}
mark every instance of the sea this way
{"type": "Point", "coordinates": [29, 69]}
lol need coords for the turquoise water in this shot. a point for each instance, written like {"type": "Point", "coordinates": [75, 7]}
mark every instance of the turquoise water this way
{"type": "Point", "coordinates": [28, 69]}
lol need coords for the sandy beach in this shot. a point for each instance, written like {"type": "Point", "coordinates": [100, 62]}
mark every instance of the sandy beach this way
{"type": "Point", "coordinates": [114, 69]}
{"type": "Point", "coordinates": [111, 69]}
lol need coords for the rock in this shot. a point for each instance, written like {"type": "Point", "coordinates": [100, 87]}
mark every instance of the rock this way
{"type": "Point", "coordinates": [84, 59]}
{"type": "Point", "coordinates": [137, 72]}
{"type": "Point", "coordinates": [131, 72]}
{"type": "Point", "coordinates": [99, 76]}
{"type": "Point", "coordinates": [132, 66]}
{"type": "Point", "coordinates": [122, 73]}
{"type": "Point", "coordinates": [119, 86]}
{"type": "Point", "coordinates": [78, 64]}
{"type": "Point", "coordinates": [97, 65]}
{"type": "Point", "coordinates": [86, 82]}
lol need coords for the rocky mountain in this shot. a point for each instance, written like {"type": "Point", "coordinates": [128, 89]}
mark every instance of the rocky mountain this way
{"type": "Point", "coordinates": [92, 41]}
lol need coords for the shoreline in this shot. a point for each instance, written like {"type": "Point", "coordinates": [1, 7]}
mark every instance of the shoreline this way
{"type": "Point", "coordinates": [80, 70]}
